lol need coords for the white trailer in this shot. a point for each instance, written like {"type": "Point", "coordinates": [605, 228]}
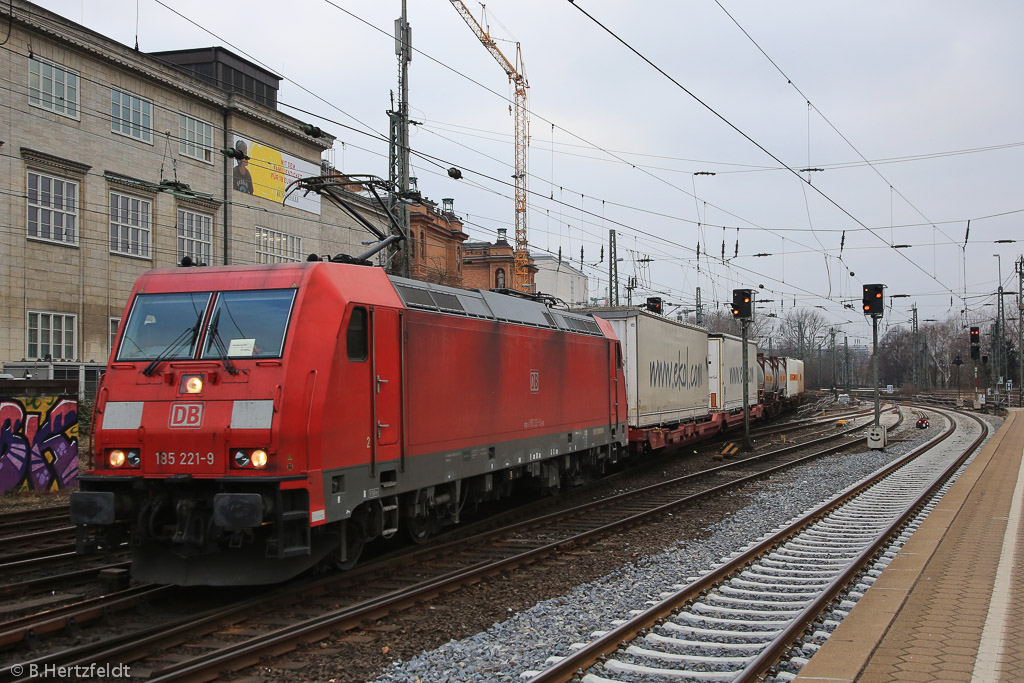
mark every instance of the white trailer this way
{"type": "Point", "coordinates": [665, 366]}
{"type": "Point", "coordinates": [794, 377]}
{"type": "Point", "coordinates": [725, 372]}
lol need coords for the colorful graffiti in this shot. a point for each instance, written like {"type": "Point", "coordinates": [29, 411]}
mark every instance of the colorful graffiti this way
{"type": "Point", "coordinates": [38, 443]}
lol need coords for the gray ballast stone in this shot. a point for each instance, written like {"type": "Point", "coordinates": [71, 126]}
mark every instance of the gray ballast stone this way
{"type": "Point", "coordinates": [525, 641]}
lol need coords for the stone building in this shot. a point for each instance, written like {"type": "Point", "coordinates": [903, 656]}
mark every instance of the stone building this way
{"type": "Point", "coordinates": [489, 266]}
{"type": "Point", "coordinates": [562, 280]}
{"type": "Point", "coordinates": [435, 243]}
{"type": "Point", "coordinates": [111, 163]}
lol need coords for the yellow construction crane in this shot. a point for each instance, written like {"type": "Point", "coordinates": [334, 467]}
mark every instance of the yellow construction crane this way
{"type": "Point", "coordinates": [517, 78]}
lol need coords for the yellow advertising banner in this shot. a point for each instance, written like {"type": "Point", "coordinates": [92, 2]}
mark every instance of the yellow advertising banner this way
{"type": "Point", "coordinates": [267, 173]}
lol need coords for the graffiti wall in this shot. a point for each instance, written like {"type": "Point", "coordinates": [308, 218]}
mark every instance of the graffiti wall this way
{"type": "Point", "coordinates": [38, 443]}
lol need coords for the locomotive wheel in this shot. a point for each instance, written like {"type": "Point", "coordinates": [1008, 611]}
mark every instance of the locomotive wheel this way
{"type": "Point", "coordinates": [420, 529]}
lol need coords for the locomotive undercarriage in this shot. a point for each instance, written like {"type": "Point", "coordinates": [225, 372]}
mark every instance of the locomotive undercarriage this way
{"type": "Point", "coordinates": [422, 513]}
{"type": "Point", "coordinates": [201, 532]}
{"type": "Point", "coordinates": [186, 531]}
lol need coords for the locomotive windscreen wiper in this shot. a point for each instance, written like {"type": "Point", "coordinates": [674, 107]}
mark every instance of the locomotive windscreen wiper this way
{"type": "Point", "coordinates": [188, 334]}
{"type": "Point", "coordinates": [215, 339]}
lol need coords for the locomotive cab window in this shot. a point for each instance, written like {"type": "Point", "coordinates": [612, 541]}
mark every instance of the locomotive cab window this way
{"type": "Point", "coordinates": [249, 324]}
{"type": "Point", "coordinates": [356, 337]}
{"type": "Point", "coordinates": [163, 325]}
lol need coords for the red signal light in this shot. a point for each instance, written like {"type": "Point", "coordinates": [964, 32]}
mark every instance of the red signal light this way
{"type": "Point", "coordinates": [873, 300]}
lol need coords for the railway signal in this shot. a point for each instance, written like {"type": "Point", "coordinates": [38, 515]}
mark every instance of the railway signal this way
{"type": "Point", "coordinates": [743, 304]}
{"type": "Point", "coordinates": [874, 303]}
{"type": "Point", "coordinates": [975, 343]}
{"type": "Point", "coordinates": [743, 310]}
{"type": "Point", "coordinates": [655, 304]}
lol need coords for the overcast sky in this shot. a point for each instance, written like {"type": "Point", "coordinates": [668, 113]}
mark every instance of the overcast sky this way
{"type": "Point", "coordinates": [929, 92]}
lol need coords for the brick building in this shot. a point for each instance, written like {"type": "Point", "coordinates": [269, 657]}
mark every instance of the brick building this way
{"type": "Point", "coordinates": [436, 243]}
{"type": "Point", "coordinates": [490, 266]}
{"type": "Point", "coordinates": [111, 164]}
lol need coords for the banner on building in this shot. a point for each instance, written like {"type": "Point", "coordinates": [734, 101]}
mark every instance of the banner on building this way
{"type": "Point", "coordinates": [268, 171]}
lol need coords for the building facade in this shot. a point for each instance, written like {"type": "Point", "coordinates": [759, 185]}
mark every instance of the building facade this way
{"type": "Point", "coordinates": [490, 266]}
{"type": "Point", "coordinates": [111, 163]}
{"type": "Point", "coordinates": [435, 243]}
{"type": "Point", "coordinates": [561, 280]}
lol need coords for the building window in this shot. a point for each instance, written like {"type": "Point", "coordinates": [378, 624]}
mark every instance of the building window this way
{"type": "Point", "coordinates": [499, 279]}
{"type": "Point", "coordinates": [277, 247]}
{"type": "Point", "coordinates": [195, 138]}
{"type": "Point", "coordinates": [52, 208]}
{"type": "Point", "coordinates": [131, 115]}
{"type": "Point", "coordinates": [195, 236]}
{"type": "Point", "coordinates": [53, 87]}
{"type": "Point", "coordinates": [412, 248]}
{"type": "Point", "coordinates": [423, 245]}
{"type": "Point", "coordinates": [114, 323]}
{"type": "Point", "coordinates": [130, 225]}
{"type": "Point", "coordinates": [458, 259]}
{"type": "Point", "coordinates": [51, 336]}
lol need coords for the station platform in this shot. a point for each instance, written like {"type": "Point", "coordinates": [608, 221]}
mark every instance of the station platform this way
{"type": "Point", "coordinates": [948, 607]}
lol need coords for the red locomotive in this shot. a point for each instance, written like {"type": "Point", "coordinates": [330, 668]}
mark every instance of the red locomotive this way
{"type": "Point", "coordinates": [255, 420]}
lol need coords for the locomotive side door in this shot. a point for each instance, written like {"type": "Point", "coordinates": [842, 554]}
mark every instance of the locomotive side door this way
{"type": "Point", "coordinates": [386, 382]}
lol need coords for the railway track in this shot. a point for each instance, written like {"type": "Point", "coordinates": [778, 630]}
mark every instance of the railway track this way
{"type": "Point", "coordinates": [200, 645]}
{"type": "Point", "coordinates": [39, 569]}
{"type": "Point", "coordinates": [737, 622]}
{"type": "Point", "coordinates": [23, 521]}
{"type": "Point", "coordinates": [30, 534]}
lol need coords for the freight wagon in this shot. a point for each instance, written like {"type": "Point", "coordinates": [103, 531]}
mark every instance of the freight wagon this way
{"type": "Point", "coordinates": [725, 377]}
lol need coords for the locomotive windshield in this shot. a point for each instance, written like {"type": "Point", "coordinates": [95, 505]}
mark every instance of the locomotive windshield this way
{"type": "Point", "coordinates": [163, 325]}
{"type": "Point", "coordinates": [249, 324]}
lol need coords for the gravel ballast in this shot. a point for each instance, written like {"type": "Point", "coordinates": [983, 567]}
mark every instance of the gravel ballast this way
{"type": "Point", "coordinates": [508, 649]}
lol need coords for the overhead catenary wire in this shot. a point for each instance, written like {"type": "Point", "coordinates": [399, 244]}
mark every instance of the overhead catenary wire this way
{"type": "Point", "coordinates": [743, 134]}
{"type": "Point", "coordinates": [610, 204]}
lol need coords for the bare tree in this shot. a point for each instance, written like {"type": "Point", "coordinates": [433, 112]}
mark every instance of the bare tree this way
{"type": "Point", "coordinates": [720, 321]}
{"type": "Point", "coordinates": [943, 342]}
{"type": "Point", "coordinates": [440, 272]}
{"type": "Point", "coordinates": [895, 357]}
{"type": "Point", "coordinates": [798, 330]}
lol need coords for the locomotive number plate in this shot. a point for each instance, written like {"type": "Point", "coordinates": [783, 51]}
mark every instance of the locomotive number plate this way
{"type": "Point", "coordinates": [184, 458]}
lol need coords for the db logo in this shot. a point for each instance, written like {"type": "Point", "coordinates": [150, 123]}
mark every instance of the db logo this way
{"type": "Point", "coordinates": [534, 381]}
{"type": "Point", "coordinates": [187, 415]}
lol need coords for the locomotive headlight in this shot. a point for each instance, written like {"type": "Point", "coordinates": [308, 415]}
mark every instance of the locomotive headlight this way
{"type": "Point", "coordinates": [242, 459]}
{"type": "Point", "coordinates": [116, 458]}
{"type": "Point", "coordinates": [255, 458]}
{"type": "Point", "coordinates": [259, 458]}
{"type": "Point", "coordinates": [134, 458]}
{"type": "Point", "coordinates": [191, 384]}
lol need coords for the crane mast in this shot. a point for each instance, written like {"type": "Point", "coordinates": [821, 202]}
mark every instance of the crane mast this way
{"type": "Point", "coordinates": [519, 84]}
